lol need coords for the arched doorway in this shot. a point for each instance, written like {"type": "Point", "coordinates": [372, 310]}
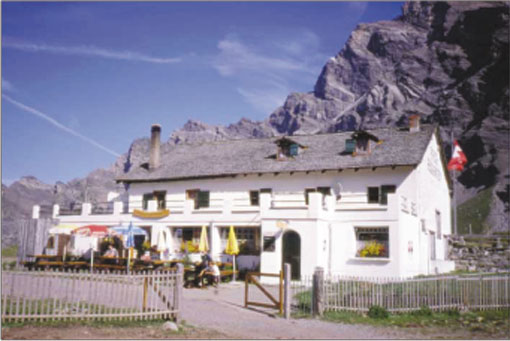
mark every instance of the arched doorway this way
{"type": "Point", "coordinates": [291, 252]}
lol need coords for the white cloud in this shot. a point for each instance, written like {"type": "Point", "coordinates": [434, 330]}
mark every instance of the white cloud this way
{"type": "Point", "coordinates": [236, 57]}
{"type": "Point", "coordinates": [89, 51]}
{"type": "Point", "coordinates": [7, 86]}
{"type": "Point", "coordinates": [58, 124]}
{"type": "Point", "coordinates": [266, 71]}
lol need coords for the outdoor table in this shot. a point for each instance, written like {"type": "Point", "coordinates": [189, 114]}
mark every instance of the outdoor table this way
{"type": "Point", "coordinates": [42, 257]}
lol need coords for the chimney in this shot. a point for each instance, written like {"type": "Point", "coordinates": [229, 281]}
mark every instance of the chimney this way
{"type": "Point", "coordinates": [414, 123]}
{"type": "Point", "coordinates": [155, 143]}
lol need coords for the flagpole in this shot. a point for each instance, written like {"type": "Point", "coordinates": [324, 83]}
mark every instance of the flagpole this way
{"type": "Point", "coordinates": [454, 191]}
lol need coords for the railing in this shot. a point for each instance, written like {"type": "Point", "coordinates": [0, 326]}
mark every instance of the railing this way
{"type": "Point", "coordinates": [479, 292]}
{"type": "Point", "coordinates": [73, 209]}
{"type": "Point", "coordinates": [102, 208]}
{"type": "Point", "coordinates": [38, 295]}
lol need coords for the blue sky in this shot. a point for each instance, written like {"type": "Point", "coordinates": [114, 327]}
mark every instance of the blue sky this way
{"type": "Point", "coordinates": [81, 81]}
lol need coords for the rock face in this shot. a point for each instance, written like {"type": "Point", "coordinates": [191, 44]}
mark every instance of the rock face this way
{"type": "Point", "coordinates": [447, 62]}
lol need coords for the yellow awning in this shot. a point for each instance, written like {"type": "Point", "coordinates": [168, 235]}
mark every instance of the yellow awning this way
{"type": "Point", "coordinates": [62, 229]}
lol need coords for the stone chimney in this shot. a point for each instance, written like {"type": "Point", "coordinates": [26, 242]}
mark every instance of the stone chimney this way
{"type": "Point", "coordinates": [155, 144]}
{"type": "Point", "coordinates": [414, 123]}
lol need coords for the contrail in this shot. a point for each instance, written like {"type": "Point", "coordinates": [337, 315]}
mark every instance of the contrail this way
{"type": "Point", "coordinates": [58, 124]}
{"type": "Point", "coordinates": [89, 51]}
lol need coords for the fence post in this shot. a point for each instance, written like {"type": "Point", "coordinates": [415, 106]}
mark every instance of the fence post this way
{"type": "Point", "coordinates": [179, 283]}
{"type": "Point", "coordinates": [286, 290]}
{"type": "Point", "coordinates": [318, 292]}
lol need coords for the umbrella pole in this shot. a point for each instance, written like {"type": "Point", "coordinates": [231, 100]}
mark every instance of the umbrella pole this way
{"type": "Point", "coordinates": [129, 258]}
{"type": "Point", "coordinates": [234, 267]}
{"type": "Point", "coordinates": [91, 259]}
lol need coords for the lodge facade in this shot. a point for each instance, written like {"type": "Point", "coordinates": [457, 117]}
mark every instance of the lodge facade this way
{"type": "Point", "coordinates": [369, 203]}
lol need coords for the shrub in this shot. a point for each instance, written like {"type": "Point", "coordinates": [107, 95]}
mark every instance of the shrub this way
{"type": "Point", "coordinates": [378, 312]}
{"type": "Point", "coordinates": [423, 311]}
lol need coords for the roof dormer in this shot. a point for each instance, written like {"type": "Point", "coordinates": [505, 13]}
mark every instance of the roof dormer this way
{"type": "Point", "coordinates": [361, 143]}
{"type": "Point", "coordinates": [287, 148]}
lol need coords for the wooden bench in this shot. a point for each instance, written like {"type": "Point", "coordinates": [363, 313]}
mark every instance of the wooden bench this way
{"type": "Point", "coordinates": [226, 273]}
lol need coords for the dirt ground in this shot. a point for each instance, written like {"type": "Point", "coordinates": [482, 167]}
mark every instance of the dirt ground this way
{"type": "Point", "coordinates": [220, 314]}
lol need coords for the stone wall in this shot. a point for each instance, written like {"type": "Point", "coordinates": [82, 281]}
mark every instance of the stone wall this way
{"type": "Point", "coordinates": [480, 253]}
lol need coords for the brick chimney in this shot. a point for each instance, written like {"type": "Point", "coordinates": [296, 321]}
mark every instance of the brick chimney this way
{"type": "Point", "coordinates": [155, 144]}
{"type": "Point", "coordinates": [414, 123]}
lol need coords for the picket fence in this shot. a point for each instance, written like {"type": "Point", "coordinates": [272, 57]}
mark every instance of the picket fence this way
{"type": "Point", "coordinates": [73, 295]}
{"type": "Point", "coordinates": [340, 293]}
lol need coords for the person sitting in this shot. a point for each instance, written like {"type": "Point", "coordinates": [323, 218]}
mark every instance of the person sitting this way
{"type": "Point", "coordinates": [146, 257]}
{"type": "Point", "coordinates": [111, 252]}
{"type": "Point", "coordinates": [211, 273]}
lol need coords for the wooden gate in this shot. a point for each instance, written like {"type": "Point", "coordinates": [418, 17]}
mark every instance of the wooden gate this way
{"type": "Point", "coordinates": [251, 277]}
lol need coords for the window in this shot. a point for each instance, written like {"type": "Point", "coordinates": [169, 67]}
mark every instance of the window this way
{"type": "Point", "coordinates": [308, 191]}
{"type": "Point", "coordinates": [254, 198]}
{"type": "Point", "coordinates": [248, 239]}
{"type": "Point", "coordinates": [438, 224]}
{"type": "Point", "coordinates": [372, 242]}
{"type": "Point", "coordinates": [159, 196]}
{"type": "Point", "coordinates": [201, 198]}
{"type": "Point", "coordinates": [269, 244]}
{"type": "Point", "coordinates": [379, 195]}
{"type": "Point", "coordinates": [266, 190]}
{"type": "Point", "coordinates": [324, 190]}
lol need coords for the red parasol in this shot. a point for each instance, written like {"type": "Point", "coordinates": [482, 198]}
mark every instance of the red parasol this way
{"type": "Point", "coordinates": [92, 231]}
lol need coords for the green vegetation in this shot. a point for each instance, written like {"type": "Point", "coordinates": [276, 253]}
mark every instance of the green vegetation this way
{"type": "Point", "coordinates": [10, 251]}
{"type": "Point", "coordinates": [40, 307]}
{"type": "Point", "coordinates": [91, 323]}
{"type": "Point", "coordinates": [378, 312]}
{"type": "Point", "coordinates": [475, 321]}
{"type": "Point", "coordinates": [475, 211]}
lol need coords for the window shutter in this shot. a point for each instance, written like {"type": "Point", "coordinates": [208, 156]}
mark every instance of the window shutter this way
{"type": "Point", "coordinates": [146, 198]}
{"type": "Point", "coordinates": [385, 189]}
{"type": "Point", "coordinates": [254, 198]}
{"type": "Point", "coordinates": [203, 199]}
{"type": "Point", "coordinates": [373, 195]}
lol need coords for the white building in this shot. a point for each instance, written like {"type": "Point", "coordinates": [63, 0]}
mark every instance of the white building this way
{"type": "Point", "coordinates": [371, 203]}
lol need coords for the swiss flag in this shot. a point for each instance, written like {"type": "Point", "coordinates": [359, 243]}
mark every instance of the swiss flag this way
{"type": "Point", "coordinates": [458, 159]}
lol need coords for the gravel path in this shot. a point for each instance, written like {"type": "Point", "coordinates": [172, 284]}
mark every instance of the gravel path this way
{"type": "Point", "coordinates": [223, 310]}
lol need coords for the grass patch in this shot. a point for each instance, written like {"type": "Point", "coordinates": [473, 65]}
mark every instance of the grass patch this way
{"type": "Point", "coordinates": [475, 211]}
{"type": "Point", "coordinates": [10, 251]}
{"type": "Point", "coordinates": [91, 323]}
{"type": "Point", "coordinates": [476, 320]}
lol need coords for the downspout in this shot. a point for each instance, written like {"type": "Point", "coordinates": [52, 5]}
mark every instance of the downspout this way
{"type": "Point", "coordinates": [330, 233]}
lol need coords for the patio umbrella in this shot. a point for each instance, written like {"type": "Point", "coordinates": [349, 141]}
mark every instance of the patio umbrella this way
{"type": "Point", "coordinates": [130, 242]}
{"type": "Point", "coordinates": [232, 249]}
{"type": "Point", "coordinates": [99, 231]}
{"type": "Point", "coordinates": [62, 229]}
{"type": "Point", "coordinates": [124, 231]}
{"type": "Point", "coordinates": [203, 246]}
{"type": "Point", "coordinates": [161, 241]}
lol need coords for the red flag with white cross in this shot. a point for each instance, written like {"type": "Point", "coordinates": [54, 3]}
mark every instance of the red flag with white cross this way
{"type": "Point", "coordinates": [458, 159]}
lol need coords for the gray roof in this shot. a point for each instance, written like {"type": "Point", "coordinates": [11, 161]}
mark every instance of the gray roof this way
{"type": "Point", "coordinates": [324, 152]}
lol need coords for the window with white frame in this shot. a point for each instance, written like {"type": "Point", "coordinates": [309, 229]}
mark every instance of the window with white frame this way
{"type": "Point", "coordinates": [248, 239]}
{"type": "Point", "coordinates": [372, 242]}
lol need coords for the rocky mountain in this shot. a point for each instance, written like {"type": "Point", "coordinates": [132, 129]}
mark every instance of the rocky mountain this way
{"type": "Point", "coordinates": [445, 61]}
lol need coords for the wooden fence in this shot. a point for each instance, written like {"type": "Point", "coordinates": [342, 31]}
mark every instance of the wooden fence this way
{"type": "Point", "coordinates": [480, 292]}
{"type": "Point", "coordinates": [58, 295]}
